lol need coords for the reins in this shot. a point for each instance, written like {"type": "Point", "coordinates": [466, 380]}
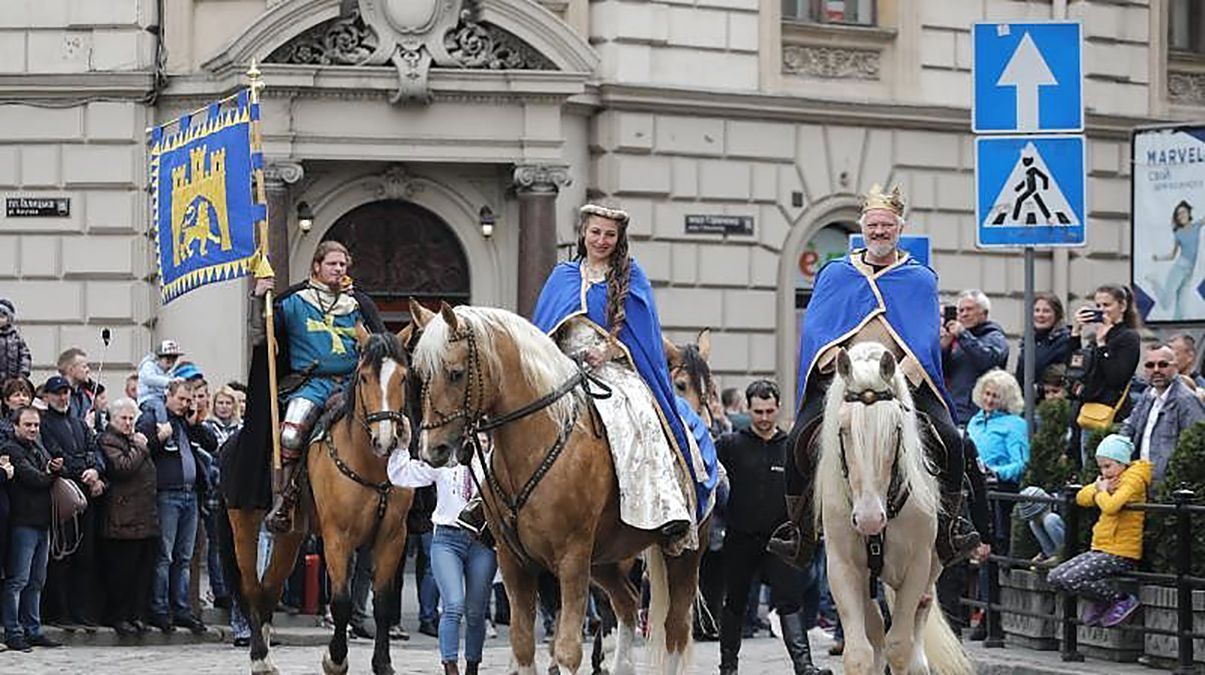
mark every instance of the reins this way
{"type": "Point", "coordinates": [475, 422]}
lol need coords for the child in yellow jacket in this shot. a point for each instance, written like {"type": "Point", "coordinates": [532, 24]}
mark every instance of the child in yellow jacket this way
{"type": "Point", "coordinates": [1116, 538]}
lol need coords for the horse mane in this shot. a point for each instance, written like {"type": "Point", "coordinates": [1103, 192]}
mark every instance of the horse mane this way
{"type": "Point", "coordinates": [873, 421]}
{"type": "Point", "coordinates": [697, 369]}
{"type": "Point", "coordinates": [380, 346]}
{"type": "Point", "coordinates": [543, 366]}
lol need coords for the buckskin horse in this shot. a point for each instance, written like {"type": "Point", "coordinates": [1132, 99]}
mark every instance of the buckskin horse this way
{"type": "Point", "coordinates": [350, 498]}
{"type": "Point", "coordinates": [877, 500]}
{"type": "Point", "coordinates": [550, 487]}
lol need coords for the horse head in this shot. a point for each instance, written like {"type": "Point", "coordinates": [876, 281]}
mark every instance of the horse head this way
{"type": "Point", "coordinates": [378, 394]}
{"type": "Point", "coordinates": [450, 367]}
{"type": "Point", "coordinates": [691, 374]}
{"type": "Point", "coordinates": [869, 426]}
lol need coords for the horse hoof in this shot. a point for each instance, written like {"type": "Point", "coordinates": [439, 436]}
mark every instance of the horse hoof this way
{"type": "Point", "coordinates": [263, 667]}
{"type": "Point", "coordinates": [329, 667]}
{"type": "Point", "coordinates": [383, 670]}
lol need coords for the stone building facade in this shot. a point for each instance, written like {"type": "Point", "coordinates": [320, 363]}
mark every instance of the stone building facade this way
{"type": "Point", "coordinates": [407, 133]}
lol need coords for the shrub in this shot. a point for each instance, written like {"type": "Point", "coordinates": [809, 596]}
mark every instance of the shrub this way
{"type": "Point", "coordinates": [1186, 469]}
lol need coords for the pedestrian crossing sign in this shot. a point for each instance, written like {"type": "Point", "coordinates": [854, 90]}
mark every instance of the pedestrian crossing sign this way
{"type": "Point", "coordinates": [1030, 191]}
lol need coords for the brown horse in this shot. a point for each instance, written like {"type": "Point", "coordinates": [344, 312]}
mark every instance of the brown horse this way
{"type": "Point", "coordinates": [552, 500]}
{"type": "Point", "coordinates": [691, 374]}
{"type": "Point", "coordinates": [353, 503]}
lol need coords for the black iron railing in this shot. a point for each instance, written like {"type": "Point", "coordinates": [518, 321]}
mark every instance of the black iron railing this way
{"type": "Point", "coordinates": [1182, 509]}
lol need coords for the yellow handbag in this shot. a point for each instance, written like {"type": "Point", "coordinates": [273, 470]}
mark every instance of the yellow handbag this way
{"type": "Point", "coordinates": [1099, 416]}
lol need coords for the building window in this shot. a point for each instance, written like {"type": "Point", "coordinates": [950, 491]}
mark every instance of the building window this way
{"type": "Point", "coordinates": [1186, 26]}
{"type": "Point", "coordinates": [856, 12]}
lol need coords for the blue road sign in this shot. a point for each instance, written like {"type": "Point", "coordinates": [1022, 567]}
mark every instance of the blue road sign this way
{"type": "Point", "coordinates": [1028, 77]}
{"type": "Point", "coordinates": [1030, 190]}
{"type": "Point", "coordinates": [917, 245]}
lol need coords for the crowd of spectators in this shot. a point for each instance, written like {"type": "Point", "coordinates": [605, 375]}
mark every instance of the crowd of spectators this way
{"type": "Point", "coordinates": [1127, 406]}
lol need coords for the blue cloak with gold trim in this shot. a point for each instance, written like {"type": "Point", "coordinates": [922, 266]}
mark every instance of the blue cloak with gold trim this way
{"type": "Point", "coordinates": [562, 297]}
{"type": "Point", "coordinates": [846, 297]}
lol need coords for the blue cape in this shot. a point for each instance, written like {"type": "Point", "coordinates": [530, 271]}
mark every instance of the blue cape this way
{"type": "Point", "coordinates": [563, 297]}
{"type": "Point", "coordinates": [846, 296]}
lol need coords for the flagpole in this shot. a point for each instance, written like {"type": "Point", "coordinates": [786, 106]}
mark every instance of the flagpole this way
{"type": "Point", "coordinates": [264, 271]}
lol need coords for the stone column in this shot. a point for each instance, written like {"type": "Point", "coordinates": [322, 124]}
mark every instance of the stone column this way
{"type": "Point", "coordinates": [537, 186]}
{"type": "Point", "coordinates": [278, 176]}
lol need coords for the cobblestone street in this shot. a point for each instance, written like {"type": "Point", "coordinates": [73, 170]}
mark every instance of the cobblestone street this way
{"type": "Point", "coordinates": [419, 655]}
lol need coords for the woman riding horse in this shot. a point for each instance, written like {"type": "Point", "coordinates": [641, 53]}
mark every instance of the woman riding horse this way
{"type": "Point", "coordinates": [607, 290]}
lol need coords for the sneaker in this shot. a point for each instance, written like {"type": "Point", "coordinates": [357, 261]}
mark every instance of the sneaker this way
{"type": "Point", "coordinates": [18, 644]}
{"type": "Point", "coordinates": [398, 632]}
{"type": "Point", "coordinates": [242, 641]}
{"type": "Point", "coordinates": [428, 628]}
{"type": "Point", "coordinates": [40, 640]}
{"type": "Point", "coordinates": [1120, 611]}
{"type": "Point", "coordinates": [1093, 612]}
{"type": "Point", "coordinates": [979, 634]}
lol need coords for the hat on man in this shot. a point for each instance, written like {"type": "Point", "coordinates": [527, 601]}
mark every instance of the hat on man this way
{"type": "Point", "coordinates": [1117, 448]}
{"type": "Point", "coordinates": [7, 309]}
{"type": "Point", "coordinates": [168, 348]}
{"type": "Point", "coordinates": [55, 384]}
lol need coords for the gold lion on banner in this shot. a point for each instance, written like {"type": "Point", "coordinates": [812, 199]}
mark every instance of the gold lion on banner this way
{"type": "Point", "coordinates": [197, 194]}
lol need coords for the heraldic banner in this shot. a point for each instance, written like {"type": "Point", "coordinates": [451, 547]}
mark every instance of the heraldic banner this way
{"type": "Point", "coordinates": [203, 204]}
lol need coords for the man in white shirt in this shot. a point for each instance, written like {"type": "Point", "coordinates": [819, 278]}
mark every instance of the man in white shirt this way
{"type": "Point", "coordinates": [1164, 411]}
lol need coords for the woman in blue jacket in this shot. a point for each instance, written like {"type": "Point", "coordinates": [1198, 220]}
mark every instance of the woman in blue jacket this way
{"type": "Point", "coordinates": [1002, 437]}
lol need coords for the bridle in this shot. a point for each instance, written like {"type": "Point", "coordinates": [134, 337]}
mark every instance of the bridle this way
{"type": "Point", "coordinates": [897, 492]}
{"type": "Point", "coordinates": [476, 421]}
{"type": "Point", "coordinates": [361, 415]}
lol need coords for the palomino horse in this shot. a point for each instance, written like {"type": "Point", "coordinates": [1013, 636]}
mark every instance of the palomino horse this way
{"type": "Point", "coordinates": [551, 492]}
{"type": "Point", "coordinates": [691, 374]}
{"type": "Point", "coordinates": [354, 504]}
{"type": "Point", "coordinates": [877, 500]}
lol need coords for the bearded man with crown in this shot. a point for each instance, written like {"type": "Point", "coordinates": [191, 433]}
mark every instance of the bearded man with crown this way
{"type": "Point", "coordinates": [880, 294]}
{"type": "Point", "coordinates": [317, 352]}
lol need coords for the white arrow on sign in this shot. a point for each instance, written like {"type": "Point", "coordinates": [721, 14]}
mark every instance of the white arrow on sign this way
{"type": "Point", "coordinates": [1027, 71]}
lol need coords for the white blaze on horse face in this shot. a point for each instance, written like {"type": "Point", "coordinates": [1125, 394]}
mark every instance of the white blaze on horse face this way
{"type": "Point", "coordinates": [869, 507]}
{"type": "Point", "coordinates": [383, 437]}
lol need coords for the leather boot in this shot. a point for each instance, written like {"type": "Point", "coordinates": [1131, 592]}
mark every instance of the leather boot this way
{"type": "Point", "coordinates": [956, 537]}
{"type": "Point", "coordinates": [795, 540]}
{"type": "Point", "coordinates": [796, 640]}
{"type": "Point", "coordinates": [731, 626]}
{"type": "Point", "coordinates": [450, 668]}
{"type": "Point", "coordinates": [280, 519]}
{"type": "Point", "coordinates": [470, 667]}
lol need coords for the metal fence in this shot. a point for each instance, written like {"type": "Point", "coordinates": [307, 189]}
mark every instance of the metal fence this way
{"type": "Point", "coordinates": [1182, 510]}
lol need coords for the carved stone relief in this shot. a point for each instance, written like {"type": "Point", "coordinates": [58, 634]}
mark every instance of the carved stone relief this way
{"type": "Point", "coordinates": [1188, 88]}
{"type": "Point", "coordinates": [413, 36]}
{"type": "Point", "coordinates": [831, 62]}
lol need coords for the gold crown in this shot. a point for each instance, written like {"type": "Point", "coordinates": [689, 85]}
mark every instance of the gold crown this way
{"type": "Point", "coordinates": [877, 199]}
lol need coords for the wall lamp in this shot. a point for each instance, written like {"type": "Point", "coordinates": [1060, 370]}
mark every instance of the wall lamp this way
{"type": "Point", "coordinates": [305, 216]}
{"type": "Point", "coordinates": [487, 220]}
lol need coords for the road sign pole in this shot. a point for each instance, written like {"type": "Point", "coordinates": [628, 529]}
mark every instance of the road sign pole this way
{"type": "Point", "coordinates": [1030, 348]}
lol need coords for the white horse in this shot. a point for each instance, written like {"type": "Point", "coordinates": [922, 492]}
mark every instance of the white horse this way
{"type": "Point", "coordinates": [874, 480]}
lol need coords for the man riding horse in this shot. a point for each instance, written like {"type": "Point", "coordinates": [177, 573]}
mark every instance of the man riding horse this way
{"type": "Point", "coordinates": [316, 333]}
{"type": "Point", "coordinates": [875, 294]}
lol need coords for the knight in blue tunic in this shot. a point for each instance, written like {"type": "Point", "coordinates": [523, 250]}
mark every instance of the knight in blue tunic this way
{"type": "Point", "coordinates": [609, 290]}
{"type": "Point", "coordinates": [876, 294]}
{"type": "Point", "coordinates": [316, 334]}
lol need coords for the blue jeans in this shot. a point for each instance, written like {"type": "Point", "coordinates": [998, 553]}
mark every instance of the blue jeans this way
{"type": "Point", "coordinates": [464, 571]}
{"type": "Point", "coordinates": [1049, 531]}
{"type": "Point", "coordinates": [28, 553]}
{"type": "Point", "coordinates": [177, 535]}
{"type": "Point", "coordinates": [428, 591]}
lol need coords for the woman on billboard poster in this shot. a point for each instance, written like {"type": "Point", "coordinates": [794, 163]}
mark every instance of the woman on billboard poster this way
{"type": "Point", "coordinates": [1187, 237]}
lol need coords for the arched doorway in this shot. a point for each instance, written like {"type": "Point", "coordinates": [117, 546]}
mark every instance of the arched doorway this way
{"type": "Point", "coordinates": [401, 250]}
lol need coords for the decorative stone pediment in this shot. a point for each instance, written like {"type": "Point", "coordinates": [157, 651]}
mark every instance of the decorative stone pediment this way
{"type": "Point", "coordinates": [413, 36]}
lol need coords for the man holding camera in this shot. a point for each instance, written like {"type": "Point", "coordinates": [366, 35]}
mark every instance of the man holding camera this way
{"type": "Point", "coordinates": [971, 345]}
{"type": "Point", "coordinates": [181, 484]}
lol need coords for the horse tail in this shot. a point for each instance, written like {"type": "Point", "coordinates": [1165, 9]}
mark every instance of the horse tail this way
{"type": "Point", "coordinates": [658, 606]}
{"type": "Point", "coordinates": [943, 650]}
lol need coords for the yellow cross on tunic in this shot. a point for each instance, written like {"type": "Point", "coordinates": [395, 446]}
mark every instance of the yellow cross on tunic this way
{"type": "Point", "coordinates": [328, 325]}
